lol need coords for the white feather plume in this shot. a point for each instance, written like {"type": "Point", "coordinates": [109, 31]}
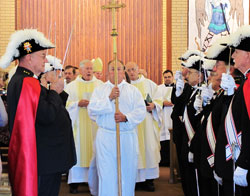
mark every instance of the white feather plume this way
{"type": "Point", "coordinates": [239, 35]}
{"type": "Point", "coordinates": [208, 64]}
{"type": "Point", "coordinates": [55, 62]}
{"type": "Point", "coordinates": [188, 53]}
{"type": "Point", "coordinates": [18, 38]}
{"type": "Point", "coordinates": [192, 60]}
{"type": "Point", "coordinates": [217, 48]}
{"type": "Point", "coordinates": [48, 67]}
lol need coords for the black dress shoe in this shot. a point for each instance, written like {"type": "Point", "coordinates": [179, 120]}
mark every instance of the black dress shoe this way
{"type": "Point", "coordinates": [139, 186]}
{"type": "Point", "coordinates": [73, 190]}
{"type": "Point", "coordinates": [149, 186]}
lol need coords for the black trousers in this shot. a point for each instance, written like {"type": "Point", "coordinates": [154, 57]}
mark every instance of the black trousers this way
{"type": "Point", "coordinates": [208, 186]}
{"type": "Point", "coordinates": [49, 185]}
{"type": "Point", "coordinates": [165, 153]}
{"type": "Point", "coordinates": [191, 182]}
{"type": "Point", "coordinates": [228, 190]}
{"type": "Point", "coordinates": [182, 166]}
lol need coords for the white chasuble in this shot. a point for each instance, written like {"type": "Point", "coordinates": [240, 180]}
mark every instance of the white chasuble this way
{"type": "Point", "coordinates": [149, 132]}
{"type": "Point", "coordinates": [84, 129]}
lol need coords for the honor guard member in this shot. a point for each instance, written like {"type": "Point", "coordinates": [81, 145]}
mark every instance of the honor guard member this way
{"type": "Point", "coordinates": [232, 154]}
{"type": "Point", "coordinates": [190, 119]}
{"type": "Point", "coordinates": [41, 144]}
{"type": "Point", "coordinates": [211, 102]}
{"type": "Point", "coordinates": [52, 71]}
{"type": "Point", "coordinates": [178, 109]}
{"type": "Point", "coordinates": [43, 78]}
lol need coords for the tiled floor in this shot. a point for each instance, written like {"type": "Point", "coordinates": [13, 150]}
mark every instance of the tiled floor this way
{"type": "Point", "coordinates": [163, 188]}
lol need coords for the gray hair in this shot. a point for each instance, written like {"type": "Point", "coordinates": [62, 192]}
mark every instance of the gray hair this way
{"type": "Point", "coordinates": [82, 63]}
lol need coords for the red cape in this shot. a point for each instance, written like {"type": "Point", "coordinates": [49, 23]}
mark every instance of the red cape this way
{"type": "Point", "coordinates": [22, 148]}
{"type": "Point", "coordinates": [246, 91]}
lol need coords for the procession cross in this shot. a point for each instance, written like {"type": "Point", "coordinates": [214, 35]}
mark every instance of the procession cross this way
{"type": "Point", "coordinates": [114, 6]}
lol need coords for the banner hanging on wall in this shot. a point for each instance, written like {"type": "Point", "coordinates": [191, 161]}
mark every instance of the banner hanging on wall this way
{"type": "Point", "coordinates": [212, 19]}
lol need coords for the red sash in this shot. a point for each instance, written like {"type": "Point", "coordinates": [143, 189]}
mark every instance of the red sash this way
{"type": "Point", "coordinates": [22, 148]}
{"type": "Point", "coordinates": [246, 91]}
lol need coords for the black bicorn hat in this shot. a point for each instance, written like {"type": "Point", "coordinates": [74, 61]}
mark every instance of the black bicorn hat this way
{"type": "Point", "coordinates": [240, 39]}
{"type": "Point", "coordinates": [23, 42]}
{"type": "Point", "coordinates": [199, 64]}
{"type": "Point", "coordinates": [190, 53]}
{"type": "Point", "coordinates": [221, 52]}
{"type": "Point", "coordinates": [194, 62]}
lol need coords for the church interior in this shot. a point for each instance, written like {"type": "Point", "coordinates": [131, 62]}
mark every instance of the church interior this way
{"type": "Point", "coordinates": [152, 33]}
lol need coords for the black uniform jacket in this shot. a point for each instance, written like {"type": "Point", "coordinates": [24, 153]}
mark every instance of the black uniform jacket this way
{"type": "Point", "coordinates": [242, 123]}
{"type": "Point", "coordinates": [185, 99]}
{"type": "Point", "coordinates": [200, 143]}
{"type": "Point", "coordinates": [194, 120]}
{"type": "Point", "coordinates": [54, 136]}
{"type": "Point", "coordinates": [178, 109]}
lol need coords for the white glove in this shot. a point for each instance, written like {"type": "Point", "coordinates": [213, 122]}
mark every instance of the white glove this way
{"type": "Point", "coordinates": [198, 103]}
{"type": "Point", "coordinates": [179, 87]}
{"type": "Point", "coordinates": [240, 176]}
{"type": "Point", "coordinates": [178, 75]}
{"type": "Point", "coordinates": [217, 178]}
{"type": "Point", "coordinates": [190, 157]}
{"type": "Point", "coordinates": [228, 83]}
{"type": "Point", "coordinates": [207, 94]}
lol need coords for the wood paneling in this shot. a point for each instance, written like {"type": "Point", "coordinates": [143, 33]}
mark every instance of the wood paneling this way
{"type": "Point", "coordinates": [139, 29]}
{"type": "Point", "coordinates": [169, 35]}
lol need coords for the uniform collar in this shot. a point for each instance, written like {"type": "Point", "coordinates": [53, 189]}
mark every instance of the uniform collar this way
{"type": "Point", "coordinates": [247, 73]}
{"type": "Point", "coordinates": [25, 71]}
{"type": "Point", "coordinates": [194, 87]}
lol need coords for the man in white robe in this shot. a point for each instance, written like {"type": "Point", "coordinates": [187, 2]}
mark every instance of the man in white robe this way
{"type": "Point", "coordinates": [166, 90]}
{"type": "Point", "coordinates": [148, 130]}
{"type": "Point", "coordinates": [132, 111]}
{"type": "Point", "coordinates": [84, 129]}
